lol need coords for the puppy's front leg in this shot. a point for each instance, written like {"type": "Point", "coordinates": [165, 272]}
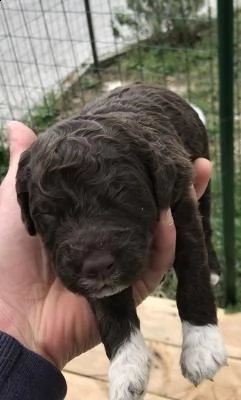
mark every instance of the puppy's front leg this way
{"type": "Point", "coordinates": [125, 347]}
{"type": "Point", "coordinates": [203, 351]}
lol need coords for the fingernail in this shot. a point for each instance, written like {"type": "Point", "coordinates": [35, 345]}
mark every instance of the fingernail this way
{"type": "Point", "coordinates": [167, 218]}
{"type": "Point", "coordinates": [7, 130]}
{"type": "Point", "coordinates": [8, 136]}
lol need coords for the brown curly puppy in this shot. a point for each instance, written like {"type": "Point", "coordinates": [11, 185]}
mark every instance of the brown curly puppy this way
{"type": "Point", "coordinates": [92, 187]}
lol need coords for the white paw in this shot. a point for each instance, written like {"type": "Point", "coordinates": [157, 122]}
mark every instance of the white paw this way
{"type": "Point", "coordinates": [203, 352]}
{"type": "Point", "coordinates": [129, 370]}
{"type": "Point", "coordinates": [214, 278]}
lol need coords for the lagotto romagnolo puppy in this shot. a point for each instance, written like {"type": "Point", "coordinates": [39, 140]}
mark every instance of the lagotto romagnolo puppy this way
{"type": "Point", "coordinates": [93, 187]}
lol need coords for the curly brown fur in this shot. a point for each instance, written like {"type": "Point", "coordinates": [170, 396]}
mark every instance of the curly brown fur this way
{"type": "Point", "coordinates": [93, 187]}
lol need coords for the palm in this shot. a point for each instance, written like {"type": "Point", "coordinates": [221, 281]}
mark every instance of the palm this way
{"type": "Point", "coordinates": [67, 325]}
{"type": "Point", "coordinates": [34, 306]}
{"type": "Point", "coordinates": [31, 293]}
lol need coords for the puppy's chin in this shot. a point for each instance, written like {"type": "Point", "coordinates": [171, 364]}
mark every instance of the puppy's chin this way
{"type": "Point", "coordinates": [94, 289]}
{"type": "Point", "coordinates": [106, 291]}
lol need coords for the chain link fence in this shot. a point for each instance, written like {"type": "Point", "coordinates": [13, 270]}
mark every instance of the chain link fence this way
{"type": "Point", "coordinates": [55, 56]}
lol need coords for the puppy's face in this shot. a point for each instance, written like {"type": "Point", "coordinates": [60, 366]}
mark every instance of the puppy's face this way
{"type": "Point", "coordinates": [90, 200]}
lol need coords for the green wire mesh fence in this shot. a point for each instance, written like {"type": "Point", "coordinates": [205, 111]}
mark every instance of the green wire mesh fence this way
{"type": "Point", "coordinates": [55, 56]}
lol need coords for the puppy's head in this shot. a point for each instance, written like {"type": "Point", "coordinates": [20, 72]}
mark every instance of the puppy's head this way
{"type": "Point", "coordinates": [85, 188]}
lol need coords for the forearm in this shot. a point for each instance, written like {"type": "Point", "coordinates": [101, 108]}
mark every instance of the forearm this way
{"type": "Point", "coordinates": [26, 375]}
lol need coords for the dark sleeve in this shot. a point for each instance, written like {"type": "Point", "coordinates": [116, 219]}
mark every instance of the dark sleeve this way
{"type": "Point", "coordinates": [25, 375]}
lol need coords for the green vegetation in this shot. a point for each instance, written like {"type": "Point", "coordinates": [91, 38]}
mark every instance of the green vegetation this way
{"type": "Point", "coordinates": [3, 159]}
{"type": "Point", "coordinates": [162, 21]}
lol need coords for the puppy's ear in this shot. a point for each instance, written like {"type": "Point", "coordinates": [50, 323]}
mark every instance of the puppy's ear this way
{"type": "Point", "coordinates": [170, 173]}
{"type": "Point", "coordinates": [162, 175]}
{"type": "Point", "coordinates": [22, 178]}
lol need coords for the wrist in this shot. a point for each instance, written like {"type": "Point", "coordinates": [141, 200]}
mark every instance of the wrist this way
{"type": "Point", "coordinates": [22, 369]}
{"type": "Point", "coordinates": [25, 340]}
{"type": "Point", "coordinates": [19, 328]}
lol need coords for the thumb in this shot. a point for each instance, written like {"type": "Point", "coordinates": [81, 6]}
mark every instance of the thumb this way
{"type": "Point", "coordinates": [19, 137]}
{"type": "Point", "coordinates": [202, 175]}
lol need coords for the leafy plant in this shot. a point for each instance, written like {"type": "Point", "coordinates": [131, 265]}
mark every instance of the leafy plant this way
{"type": "Point", "coordinates": [3, 158]}
{"type": "Point", "coordinates": [175, 22]}
{"type": "Point", "coordinates": [44, 113]}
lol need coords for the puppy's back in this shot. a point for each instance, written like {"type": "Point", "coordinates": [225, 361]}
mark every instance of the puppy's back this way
{"type": "Point", "coordinates": [145, 99]}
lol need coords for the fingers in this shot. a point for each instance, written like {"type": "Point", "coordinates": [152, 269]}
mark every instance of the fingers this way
{"type": "Point", "coordinates": [164, 245]}
{"type": "Point", "coordinates": [202, 175]}
{"type": "Point", "coordinates": [162, 257]}
{"type": "Point", "coordinates": [19, 137]}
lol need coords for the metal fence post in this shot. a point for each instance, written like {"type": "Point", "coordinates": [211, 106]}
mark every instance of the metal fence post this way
{"type": "Point", "coordinates": [226, 114]}
{"type": "Point", "coordinates": [91, 34]}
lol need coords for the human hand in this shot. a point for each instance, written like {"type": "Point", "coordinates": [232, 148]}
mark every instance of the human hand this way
{"type": "Point", "coordinates": [34, 306]}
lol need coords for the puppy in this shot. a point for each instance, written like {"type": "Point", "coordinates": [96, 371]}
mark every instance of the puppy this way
{"type": "Point", "coordinates": [93, 187]}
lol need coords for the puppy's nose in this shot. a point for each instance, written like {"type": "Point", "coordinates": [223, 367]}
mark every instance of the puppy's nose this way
{"type": "Point", "coordinates": [98, 264]}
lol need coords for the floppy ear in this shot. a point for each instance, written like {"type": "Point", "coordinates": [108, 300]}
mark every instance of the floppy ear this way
{"type": "Point", "coordinates": [22, 178]}
{"type": "Point", "coordinates": [163, 176]}
{"type": "Point", "coordinates": [171, 175]}
{"type": "Point", "coordinates": [169, 171]}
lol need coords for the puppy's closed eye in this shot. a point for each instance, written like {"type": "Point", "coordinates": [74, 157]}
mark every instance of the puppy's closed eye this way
{"type": "Point", "coordinates": [43, 219]}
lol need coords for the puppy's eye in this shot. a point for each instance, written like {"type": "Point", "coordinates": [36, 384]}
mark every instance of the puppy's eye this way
{"type": "Point", "coordinates": [44, 218]}
{"type": "Point", "coordinates": [47, 216]}
{"type": "Point", "coordinates": [41, 214]}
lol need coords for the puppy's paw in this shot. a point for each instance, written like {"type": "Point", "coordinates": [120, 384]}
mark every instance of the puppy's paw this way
{"type": "Point", "coordinates": [129, 370]}
{"type": "Point", "coordinates": [203, 352]}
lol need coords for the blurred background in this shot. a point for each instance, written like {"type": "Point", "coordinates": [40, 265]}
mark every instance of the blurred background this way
{"type": "Point", "coordinates": [57, 55]}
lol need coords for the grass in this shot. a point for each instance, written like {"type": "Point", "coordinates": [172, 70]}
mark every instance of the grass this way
{"type": "Point", "coordinates": [193, 72]}
{"type": "Point", "coordinates": [3, 160]}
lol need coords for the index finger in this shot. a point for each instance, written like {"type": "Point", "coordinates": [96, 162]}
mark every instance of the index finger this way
{"type": "Point", "coordinates": [202, 175]}
{"type": "Point", "coordinates": [162, 257]}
